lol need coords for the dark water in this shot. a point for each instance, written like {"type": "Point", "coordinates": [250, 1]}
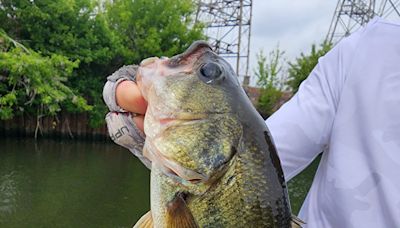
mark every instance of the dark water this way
{"type": "Point", "coordinates": [54, 183]}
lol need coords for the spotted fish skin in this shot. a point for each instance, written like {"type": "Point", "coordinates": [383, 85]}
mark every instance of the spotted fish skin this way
{"type": "Point", "coordinates": [245, 195]}
{"type": "Point", "coordinates": [214, 163]}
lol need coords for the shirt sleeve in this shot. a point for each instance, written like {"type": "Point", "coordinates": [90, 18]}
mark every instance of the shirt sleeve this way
{"type": "Point", "coordinates": [301, 128]}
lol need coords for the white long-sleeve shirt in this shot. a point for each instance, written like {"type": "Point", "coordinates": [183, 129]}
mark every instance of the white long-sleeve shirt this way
{"type": "Point", "coordinates": [349, 108]}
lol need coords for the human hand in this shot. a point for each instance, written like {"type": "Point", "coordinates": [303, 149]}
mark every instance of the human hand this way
{"type": "Point", "coordinates": [127, 108]}
{"type": "Point", "coordinates": [129, 97]}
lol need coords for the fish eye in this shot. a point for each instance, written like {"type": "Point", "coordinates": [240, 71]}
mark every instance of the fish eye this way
{"type": "Point", "coordinates": [210, 71]}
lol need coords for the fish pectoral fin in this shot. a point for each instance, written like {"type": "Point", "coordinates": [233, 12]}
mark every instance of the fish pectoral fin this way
{"type": "Point", "coordinates": [296, 222]}
{"type": "Point", "coordinates": [146, 221]}
{"type": "Point", "coordinates": [179, 215]}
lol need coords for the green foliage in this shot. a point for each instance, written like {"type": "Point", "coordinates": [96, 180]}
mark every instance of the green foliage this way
{"type": "Point", "coordinates": [32, 83]}
{"type": "Point", "coordinates": [268, 100]}
{"type": "Point", "coordinates": [70, 28]}
{"type": "Point", "coordinates": [153, 27]}
{"type": "Point", "coordinates": [268, 73]}
{"type": "Point", "coordinates": [99, 35]}
{"type": "Point", "coordinates": [75, 29]}
{"type": "Point", "coordinates": [302, 67]}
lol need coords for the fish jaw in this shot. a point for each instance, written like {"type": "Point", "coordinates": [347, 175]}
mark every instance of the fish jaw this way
{"type": "Point", "coordinates": [172, 169]}
{"type": "Point", "coordinates": [197, 176]}
{"type": "Point", "coordinates": [192, 152]}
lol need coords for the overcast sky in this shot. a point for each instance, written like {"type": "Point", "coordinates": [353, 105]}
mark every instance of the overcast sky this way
{"type": "Point", "coordinates": [294, 25]}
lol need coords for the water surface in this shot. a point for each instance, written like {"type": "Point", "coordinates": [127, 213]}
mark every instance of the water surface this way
{"type": "Point", "coordinates": [71, 183]}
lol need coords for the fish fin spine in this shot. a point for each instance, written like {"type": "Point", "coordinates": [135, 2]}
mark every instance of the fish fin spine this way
{"type": "Point", "coordinates": [179, 215]}
{"type": "Point", "coordinates": [146, 221]}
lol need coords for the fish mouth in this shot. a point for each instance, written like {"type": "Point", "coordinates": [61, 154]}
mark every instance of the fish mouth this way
{"type": "Point", "coordinates": [172, 169]}
{"type": "Point", "coordinates": [194, 51]}
{"type": "Point", "coordinates": [167, 116]}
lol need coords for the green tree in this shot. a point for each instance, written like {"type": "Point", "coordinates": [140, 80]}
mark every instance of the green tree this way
{"type": "Point", "coordinates": [75, 29]}
{"type": "Point", "coordinates": [153, 27]}
{"type": "Point", "coordinates": [303, 65]}
{"type": "Point", "coordinates": [32, 83]}
{"type": "Point", "coordinates": [269, 72]}
{"type": "Point", "coordinates": [100, 35]}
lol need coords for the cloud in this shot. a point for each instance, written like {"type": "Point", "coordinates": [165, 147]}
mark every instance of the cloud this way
{"type": "Point", "coordinates": [279, 17]}
{"type": "Point", "coordinates": [290, 23]}
{"type": "Point", "coordinates": [294, 25]}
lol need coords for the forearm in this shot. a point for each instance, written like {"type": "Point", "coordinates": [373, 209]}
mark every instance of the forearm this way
{"type": "Point", "coordinates": [302, 127]}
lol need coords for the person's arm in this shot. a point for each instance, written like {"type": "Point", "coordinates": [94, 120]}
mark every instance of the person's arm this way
{"type": "Point", "coordinates": [301, 129]}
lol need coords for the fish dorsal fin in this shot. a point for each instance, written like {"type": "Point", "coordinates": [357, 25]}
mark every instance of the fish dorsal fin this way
{"type": "Point", "coordinates": [296, 222]}
{"type": "Point", "coordinates": [274, 157]}
{"type": "Point", "coordinates": [146, 221]}
{"type": "Point", "coordinates": [179, 215]}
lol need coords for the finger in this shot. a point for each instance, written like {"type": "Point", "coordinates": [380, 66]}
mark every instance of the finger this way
{"type": "Point", "coordinates": [128, 97]}
{"type": "Point", "coordinates": [139, 122]}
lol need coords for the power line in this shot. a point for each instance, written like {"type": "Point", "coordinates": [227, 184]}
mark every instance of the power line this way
{"type": "Point", "coordinates": [351, 14]}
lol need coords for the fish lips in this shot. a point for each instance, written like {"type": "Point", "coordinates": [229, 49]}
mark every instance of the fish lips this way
{"type": "Point", "coordinates": [195, 51]}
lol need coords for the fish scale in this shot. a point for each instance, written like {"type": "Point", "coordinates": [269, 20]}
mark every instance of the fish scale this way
{"type": "Point", "coordinates": [242, 203]}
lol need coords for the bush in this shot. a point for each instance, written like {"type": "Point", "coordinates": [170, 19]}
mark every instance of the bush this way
{"type": "Point", "coordinates": [303, 65]}
{"type": "Point", "coordinates": [269, 78]}
{"type": "Point", "coordinates": [33, 83]}
{"type": "Point", "coordinates": [96, 36]}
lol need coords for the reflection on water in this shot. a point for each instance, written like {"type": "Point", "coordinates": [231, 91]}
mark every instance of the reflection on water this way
{"type": "Point", "coordinates": [70, 184]}
{"type": "Point", "coordinates": [8, 194]}
{"type": "Point", "coordinates": [79, 184]}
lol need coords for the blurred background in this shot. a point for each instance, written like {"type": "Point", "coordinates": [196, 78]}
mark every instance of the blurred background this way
{"type": "Point", "coordinates": [58, 167]}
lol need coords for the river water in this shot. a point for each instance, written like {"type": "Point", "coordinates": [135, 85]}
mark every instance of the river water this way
{"type": "Point", "coordinates": [72, 183]}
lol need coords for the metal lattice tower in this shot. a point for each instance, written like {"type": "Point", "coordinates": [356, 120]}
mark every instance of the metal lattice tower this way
{"type": "Point", "coordinates": [351, 14]}
{"type": "Point", "coordinates": [228, 28]}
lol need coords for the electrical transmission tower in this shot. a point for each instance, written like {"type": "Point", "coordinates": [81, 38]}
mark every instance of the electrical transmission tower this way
{"type": "Point", "coordinates": [228, 28]}
{"type": "Point", "coordinates": [351, 14]}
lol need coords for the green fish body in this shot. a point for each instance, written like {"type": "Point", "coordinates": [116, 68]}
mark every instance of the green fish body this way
{"type": "Point", "coordinates": [213, 161]}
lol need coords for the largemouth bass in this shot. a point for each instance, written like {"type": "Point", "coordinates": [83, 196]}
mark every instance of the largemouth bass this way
{"type": "Point", "coordinates": [213, 161]}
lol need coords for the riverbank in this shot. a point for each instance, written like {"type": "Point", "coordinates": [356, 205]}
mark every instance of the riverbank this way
{"type": "Point", "coordinates": [64, 125]}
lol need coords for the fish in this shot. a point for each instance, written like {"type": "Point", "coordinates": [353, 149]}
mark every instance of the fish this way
{"type": "Point", "coordinates": [213, 161]}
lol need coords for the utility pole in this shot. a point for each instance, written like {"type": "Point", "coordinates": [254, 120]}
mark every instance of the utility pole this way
{"type": "Point", "coordinates": [351, 14]}
{"type": "Point", "coordinates": [228, 28]}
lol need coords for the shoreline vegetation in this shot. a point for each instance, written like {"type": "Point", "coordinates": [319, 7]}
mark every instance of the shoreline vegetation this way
{"type": "Point", "coordinates": [64, 125]}
{"type": "Point", "coordinates": [55, 56]}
